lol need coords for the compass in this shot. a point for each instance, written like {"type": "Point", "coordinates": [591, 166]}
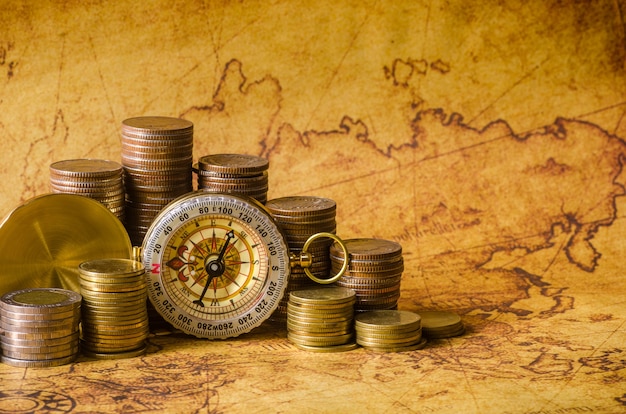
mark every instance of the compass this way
{"type": "Point", "coordinates": [217, 264]}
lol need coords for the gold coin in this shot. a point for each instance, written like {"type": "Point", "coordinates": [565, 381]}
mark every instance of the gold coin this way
{"type": "Point", "coordinates": [87, 167]}
{"type": "Point", "coordinates": [439, 319]}
{"type": "Point", "coordinates": [320, 318]}
{"type": "Point", "coordinates": [39, 341]}
{"type": "Point", "coordinates": [320, 340]}
{"type": "Point", "coordinates": [442, 335]}
{"type": "Point", "coordinates": [441, 324]}
{"type": "Point", "coordinates": [377, 334]}
{"type": "Point", "coordinates": [45, 363]}
{"type": "Point", "coordinates": [68, 327]}
{"type": "Point", "coordinates": [343, 327]}
{"type": "Point", "coordinates": [388, 320]}
{"type": "Point", "coordinates": [110, 340]}
{"type": "Point", "coordinates": [374, 282]}
{"type": "Point", "coordinates": [38, 323]}
{"type": "Point", "coordinates": [330, 333]}
{"type": "Point", "coordinates": [419, 345]}
{"type": "Point", "coordinates": [133, 353]}
{"type": "Point", "coordinates": [40, 300]}
{"type": "Point", "coordinates": [26, 350]}
{"type": "Point", "coordinates": [94, 288]}
{"type": "Point", "coordinates": [44, 316]}
{"type": "Point", "coordinates": [41, 355]}
{"type": "Point", "coordinates": [322, 296]}
{"type": "Point", "coordinates": [155, 127]}
{"type": "Point", "coordinates": [368, 249]}
{"type": "Point", "coordinates": [233, 164]}
{"type": "Point", "coordinates": [43, 335]}
{"type": "Point", "coordinates": [332, 348]}
{"type": "Point", "coordinates": [400, 341]}
{"type": "Point", "coordinates": [105, 298]}
{"type": "Point", "coordinates": [112, 267]}
{"type": "Point", "coordinates": [301, 206]}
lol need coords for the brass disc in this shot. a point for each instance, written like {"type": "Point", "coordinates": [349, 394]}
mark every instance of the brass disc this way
{"type": "Point", "coordinates": [43, 241]}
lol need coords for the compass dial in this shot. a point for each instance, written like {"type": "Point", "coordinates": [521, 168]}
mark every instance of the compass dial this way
{"type": "Point", "coordinates": [217, 264]}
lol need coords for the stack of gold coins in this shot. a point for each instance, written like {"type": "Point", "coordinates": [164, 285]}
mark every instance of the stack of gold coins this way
{"type": "Point", "coordinates": [389, 330]}
{"type": "Point", "coordinates": [157, 156]}
{"type": "Point", "coordinates": [234, 174]}
{"type": "Point", "coordinates": [300, 217]}
{"type": "Point", "coordinates": [321, 319]}
{"type": "Point", "coordinates": [93, 178]}
{"type": "Point", "coordinates": [40, 327]}
{"type": "Point", "coordinates": [114, 311]}
{"type": "Point", "coordinates": [374, 271]}
{"type": "Point", "coordinates": [441, 324]}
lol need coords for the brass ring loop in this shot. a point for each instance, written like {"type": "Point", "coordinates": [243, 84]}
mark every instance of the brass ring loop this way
{"type": "Point", "coordinates": [345, 255]}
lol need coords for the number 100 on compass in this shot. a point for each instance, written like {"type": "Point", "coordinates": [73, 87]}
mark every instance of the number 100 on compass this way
{"type": "Point", "coordinates": [217, 264]}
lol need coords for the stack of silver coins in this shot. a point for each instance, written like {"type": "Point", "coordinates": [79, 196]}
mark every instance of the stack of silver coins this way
{"type": "Point", "coordinates": [321, 319]}
{"type": "Point", "coordinates": [389, 331]}
{"type": "Point", "coordinates": [374, 271]}
{"type": "Point", "coordinates": [40, 327]}
{"type": "Point", "coordinates": [114, 312]}
{"type": "Point", "coordinates": [93, 178]}
{"type": "Point", "coordinates": [238, 174]}
{"type": "Point", "coordinates": [300, 217]}
{"type": "Point", "coordinates": [157, 156]}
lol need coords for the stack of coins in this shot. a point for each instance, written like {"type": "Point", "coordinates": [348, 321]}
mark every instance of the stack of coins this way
{"type": "Point", "coordinates": [157, 156]}
{"type": "Point", "coordinates": [441, 324]}
{"type": "Point", "coordinates": [300, 217]}
{"type": "Point", "coordinates": [238, 174]}
{"type": "Point", "coordinates": [114, 311]}
{"type": "Point", "coordinates": [321, 319]}
{"type": "Point", "coordinates": [389, 330]}
{"type": "Point", "coordinates": [374, 271]}
{"type": "Point", "coordinates": [93, 178]}
{"type": "Point", "coordinates": [40, 327]}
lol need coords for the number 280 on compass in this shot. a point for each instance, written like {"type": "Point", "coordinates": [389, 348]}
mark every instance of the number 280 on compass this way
{"type": "Point", "coordinates": [217, 265]}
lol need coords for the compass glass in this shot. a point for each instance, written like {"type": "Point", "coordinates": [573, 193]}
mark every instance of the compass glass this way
{"type": "Point", "coordinates": [217, 264]}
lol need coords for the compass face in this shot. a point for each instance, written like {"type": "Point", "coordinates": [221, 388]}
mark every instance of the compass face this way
{"type": "Point", "coordinates": [217, 264]}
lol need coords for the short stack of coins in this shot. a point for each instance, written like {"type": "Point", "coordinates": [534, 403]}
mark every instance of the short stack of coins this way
{"type": "Point", "coordinates": [40, 327]}
{"type": "Point", "coordinates": [157, 156]}
{"type": "Point", "coordinates": [374, 271]}
{"type": "Point", "coordinates": [389, 330]}
{"type": "Point", "coordinates": [114, 311]}
{"type": "Point", "coordinates": [93, 178]}
{"type": "Point", "coordinates": [441, 324]}
{"type": "Point", "coordinates": [321, 319]}
{"type": "Point", "coordinates": [238, 174]}
{"type": "Point", "coordinates": [300, 217]}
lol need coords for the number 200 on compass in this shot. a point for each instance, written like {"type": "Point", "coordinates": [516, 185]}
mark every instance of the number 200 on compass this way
{"type": "Point", "coordinates": [217, 265]}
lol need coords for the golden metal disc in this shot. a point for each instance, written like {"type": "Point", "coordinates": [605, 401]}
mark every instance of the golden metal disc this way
{"type": "Point", "coordinates": [43, 241]}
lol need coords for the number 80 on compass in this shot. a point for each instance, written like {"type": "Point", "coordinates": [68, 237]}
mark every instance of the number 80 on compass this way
{"type": "Point", "coordinates": [217, 264]}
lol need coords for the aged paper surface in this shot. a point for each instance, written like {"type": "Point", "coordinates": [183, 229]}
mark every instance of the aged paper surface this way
{"type": "Point", "coordinates": [486, 137]}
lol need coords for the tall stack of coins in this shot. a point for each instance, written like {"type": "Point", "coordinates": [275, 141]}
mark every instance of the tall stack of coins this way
{"type": "Point", "coordinates": [93, 178]}
{"type": "Point", "coordinates": [321, 319]}
{"type": "Point", "coordinates": [114, 311]}
{"type": "Point", "coordinates": [300, 217]}
{"type": "Point", "coordinates": [157, 156]}
{"type": "Point", "coordinates": [374, 271]}
{"type": "Point", "coordinates": [234, 174]}
{"type": "Point", "coordinates": [40, 327]}
{"type": "Point", "coordinates": [389, 331]}
{"type": "Point", "coordinates": [441, 324]}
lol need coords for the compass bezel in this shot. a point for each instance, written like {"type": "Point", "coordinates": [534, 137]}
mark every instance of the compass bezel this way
{"type": "Point", "coordinates": [248, 219]}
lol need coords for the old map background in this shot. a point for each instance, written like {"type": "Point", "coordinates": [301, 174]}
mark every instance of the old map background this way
{"type": "Point", "coordinates": [485, 136]}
